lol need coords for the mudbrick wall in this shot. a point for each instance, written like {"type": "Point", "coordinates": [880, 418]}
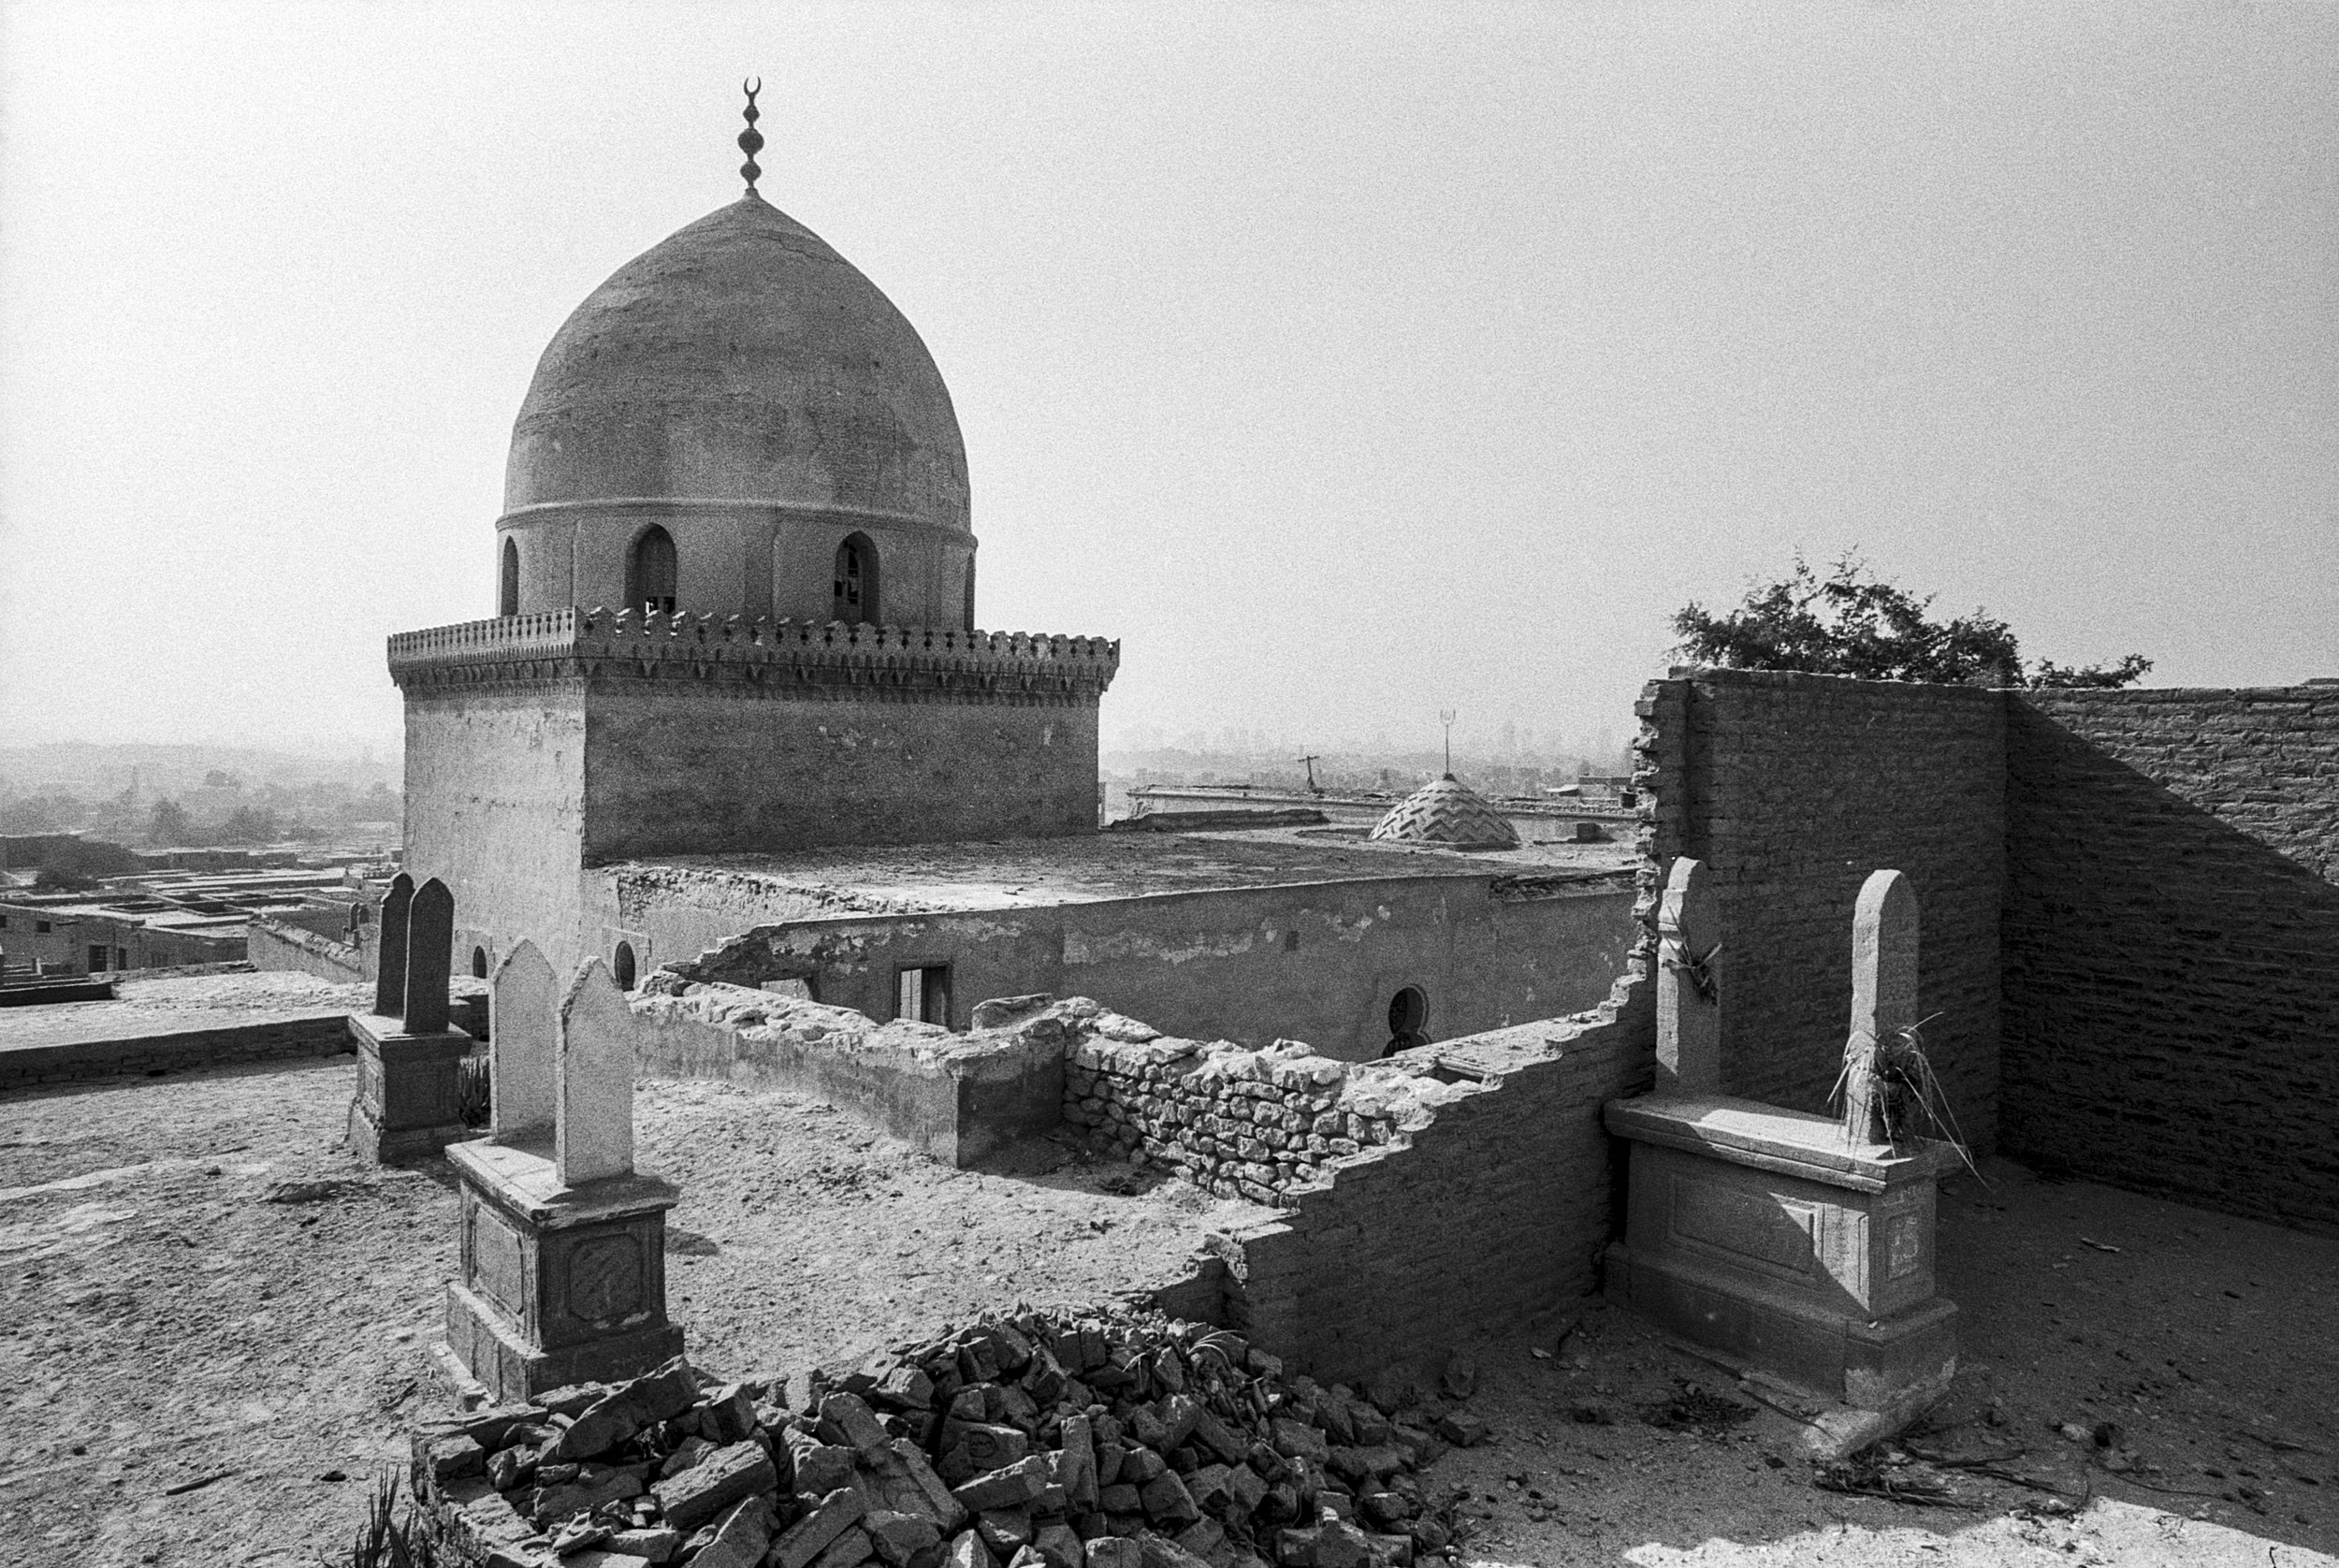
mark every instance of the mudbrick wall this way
{"type": "Point", "coordinates": [1792, 788]}
{"type": "Point", "coordinates": [1454, 1186]}
{"type": "Point", "coordinates": [2172, 943]}
{"type": "Point", "coordinates": [1481, 1208]}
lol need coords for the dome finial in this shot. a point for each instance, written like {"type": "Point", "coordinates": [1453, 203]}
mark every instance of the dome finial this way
{"type": "Point", "coordinates": [751, 139]}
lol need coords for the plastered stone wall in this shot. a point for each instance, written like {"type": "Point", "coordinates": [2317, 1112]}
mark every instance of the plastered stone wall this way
{"type": "Point", "coordinates": [495, 800]}
{"type": "Point", "coordinates": [1318, 962]}
{"type": "Point", "coordinates": [274, 945]}
{"type": "Point", "coordinates": [1792, 788]}
{"type": "Point", "coordinates": [2172, 943]}
{"type": "Point", "coordinates": [683, 768]}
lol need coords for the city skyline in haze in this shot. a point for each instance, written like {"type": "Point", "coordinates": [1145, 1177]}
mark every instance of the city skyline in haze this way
{"type": "Point", "coordinates": [1347, 364]}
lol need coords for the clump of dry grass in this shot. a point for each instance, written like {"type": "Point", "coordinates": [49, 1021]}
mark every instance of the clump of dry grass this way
{"type": "Point", "coordinates": [1892, 1096]}
{"type": "Point", "coordinates": [471, 1090]}
{"type": "Point", "coordinates": [385, 1540]}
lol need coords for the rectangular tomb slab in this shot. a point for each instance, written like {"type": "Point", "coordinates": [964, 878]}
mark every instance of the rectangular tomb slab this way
{"type": "Point", "coordinates": [559, 1285]}
{"type": "Point", "coordinates": [1766, 1236]}
{"type": "Point", "coordinates": [409, 1098]}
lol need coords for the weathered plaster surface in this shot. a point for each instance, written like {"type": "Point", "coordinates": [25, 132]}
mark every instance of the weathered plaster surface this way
{"type": "Point", "coordinates": [495, 809]}
{"type": "Point", "coordinates": [1314, 961]}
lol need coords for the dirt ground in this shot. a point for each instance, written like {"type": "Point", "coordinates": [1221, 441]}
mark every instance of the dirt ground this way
{"type": "Point", "coordinates": [192, 1375]}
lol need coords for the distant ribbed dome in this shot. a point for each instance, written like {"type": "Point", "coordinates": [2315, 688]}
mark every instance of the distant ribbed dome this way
{"type": "Point", "coordinates": [1449, 814]}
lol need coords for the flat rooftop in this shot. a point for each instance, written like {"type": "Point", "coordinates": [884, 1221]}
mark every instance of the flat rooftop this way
{"type": "Point", "coordinates": [180, 1004]}
{"type": "Point", "coordinates": [936, 878]}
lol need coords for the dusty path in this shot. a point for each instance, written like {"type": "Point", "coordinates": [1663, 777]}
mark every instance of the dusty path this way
{"type": "Point", "coordinates": [157, 1315]}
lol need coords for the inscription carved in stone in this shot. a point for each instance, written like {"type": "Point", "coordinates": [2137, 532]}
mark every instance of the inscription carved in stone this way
{"type": "Point", "coordinates": [1744, 1223]}
{"type": "Point", "coordinates": [497, 1261]}
{"type": "Point", "coordinates": [605, 1279]}
{"type": "Point", "coordinates": [1904, 1243]}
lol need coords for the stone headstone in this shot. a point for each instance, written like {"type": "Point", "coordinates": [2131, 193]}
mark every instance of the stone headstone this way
{"type": "Point", "coordinates": [523, 1043]}
{"type": "Point", "coordinates": [1883, 990]}
{"type": "Point", "coordinates": [390, 978]}
{"type": "Point", "coordinates": [593, 1080]}
{"type": "Point", "coordinates": [1688, 989]}
{"type": "Point", "coordinates": [430, 950]}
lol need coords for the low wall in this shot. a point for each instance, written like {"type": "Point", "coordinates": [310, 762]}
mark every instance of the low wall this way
{"type": "Point", "coordinates": [2172, 943]}
{"type": "Point", "coordinates": [956, 1097]}
{"type": "Point", "coordinates": [1260, 1124]}
{"type": "Point", "coordinates": [274, 945]}
{"type": "Point", "coordinates": [1488, 1211]}
{"type": "Point", "coordinates": [36, 1065]}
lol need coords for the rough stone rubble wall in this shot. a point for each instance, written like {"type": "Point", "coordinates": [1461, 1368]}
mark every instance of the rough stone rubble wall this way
{"type": "Point", "coordinates": [1260, 1125]}
{"type": "Point", "coordinates": [2171, 942]}
{"type": "Point", "coordinates": [1792, 788]}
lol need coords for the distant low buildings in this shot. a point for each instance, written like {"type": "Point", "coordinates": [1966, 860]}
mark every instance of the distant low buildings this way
{"type": "Point", "coordinates": [166, 919]}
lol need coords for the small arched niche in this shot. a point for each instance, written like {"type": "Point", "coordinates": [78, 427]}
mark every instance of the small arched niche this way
{"type": "Point", "coordinates": [623, 967]}
{"type": "Point", "coordinates": [479, 963]}
{"type": "Point", "coordinates": [853, 586]}
{"type": "Point", "coordinates": [650, 573]}
{"type": "Point", "coordinates": [508, 578]}
{"type": "Point", "coordinates": [1408, 1015]}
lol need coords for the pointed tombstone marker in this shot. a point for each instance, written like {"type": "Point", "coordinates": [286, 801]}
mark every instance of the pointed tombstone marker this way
{"type": "Point", "coordinates": [1883, 994]}
{"type": "Point", "coordinates": [593, 1080]}
{"type": "Point", "coordinates": [389, 973]}
{"type": "Point", "coordinates": [1688, 989]}
{"type": "Point", "coordinates": [430, 950]}
{"type": "Point", "coordinates": [523, 1043]}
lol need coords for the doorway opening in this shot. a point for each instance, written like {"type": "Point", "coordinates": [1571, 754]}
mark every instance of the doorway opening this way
{"type": "Point", "coordinates": [1408, 1013]}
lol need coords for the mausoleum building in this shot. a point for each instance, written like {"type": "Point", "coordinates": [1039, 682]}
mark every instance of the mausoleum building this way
{"type": "Point", "coordinates": [735, 645]}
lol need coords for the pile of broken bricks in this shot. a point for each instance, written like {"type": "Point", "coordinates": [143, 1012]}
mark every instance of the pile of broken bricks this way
{"type": "Point", "coordinates": [1040, 1441]}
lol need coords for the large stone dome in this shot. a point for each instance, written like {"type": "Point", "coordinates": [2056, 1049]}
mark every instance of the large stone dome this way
{"type": "Point", "coordinates": [741, 359]}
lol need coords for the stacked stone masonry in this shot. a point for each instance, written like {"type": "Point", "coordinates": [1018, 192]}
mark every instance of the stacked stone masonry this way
{"type": "Point", "coordinates": [2172, 943]}
{"type": "Point", "coordinates": [1260, 1124]}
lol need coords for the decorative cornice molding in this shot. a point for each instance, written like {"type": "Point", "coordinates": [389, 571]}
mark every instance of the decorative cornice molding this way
{"type": "Point", "coordinates": [799, 659]}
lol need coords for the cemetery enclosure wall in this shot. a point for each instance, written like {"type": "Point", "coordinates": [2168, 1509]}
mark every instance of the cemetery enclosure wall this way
{"type": "Point", "coordinates": [1792, 788]}
{"type": "Point", "coordinates": [2171, 942]}
{"type": "Point", "coordinates": [1313, 961]}
{"type": "Point", "coordinates": [691, 767]}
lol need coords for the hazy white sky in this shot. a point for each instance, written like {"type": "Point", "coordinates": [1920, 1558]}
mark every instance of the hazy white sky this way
{"type": "Point", "coordinates": [1348, 362]}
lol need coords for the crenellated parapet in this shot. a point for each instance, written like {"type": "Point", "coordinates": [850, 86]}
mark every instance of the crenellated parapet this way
{"type": "Point", "coordinates": [877, 663]}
